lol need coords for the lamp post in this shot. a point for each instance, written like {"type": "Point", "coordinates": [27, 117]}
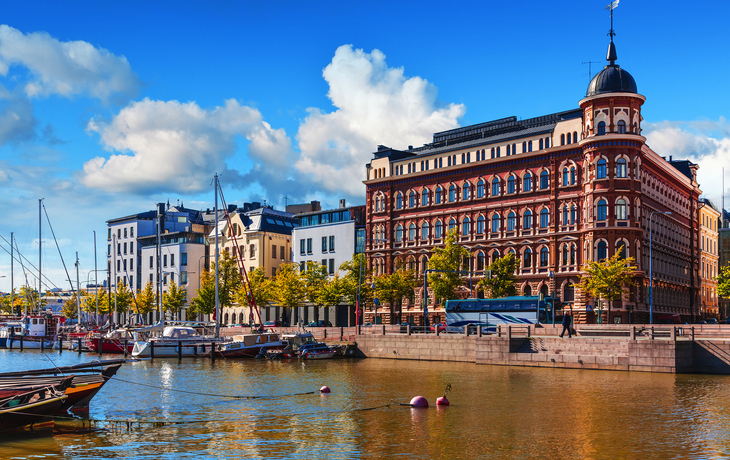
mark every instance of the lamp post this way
{"type": "Point", "coordinates": [358, 312]}
{"type": "Point", "coordinates": [651, 275]}
{"type": "Point", "coordinates": [552, 291]}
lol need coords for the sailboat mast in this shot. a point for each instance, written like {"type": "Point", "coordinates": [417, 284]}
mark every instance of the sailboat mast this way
{"type": "Point", "coordinates": [40, 252]}
{"type": "Point", "coordinates": [96, 283]}
{"type": "Point", "coordinates": [217, 304]}
{"type": "Point", "coordinates": [12, 287]}
{"type": "Point", "coordinates": [78, 292]}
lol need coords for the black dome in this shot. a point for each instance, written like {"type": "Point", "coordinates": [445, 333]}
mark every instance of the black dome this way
{"type": "Point", "coordinates": [612, 79]}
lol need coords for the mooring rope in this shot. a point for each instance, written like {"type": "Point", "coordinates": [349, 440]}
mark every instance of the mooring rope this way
{"type": "Point", "coordinates": [117, 379]}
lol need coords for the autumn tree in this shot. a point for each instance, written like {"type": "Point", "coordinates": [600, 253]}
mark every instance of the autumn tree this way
{"type": "Point", "coordinates": [288, 290]}
{"type": "Point", "coordinates": [331, 293]}
{"type": "Point", "coordinates": [204, 301]}
{"type": "Point", "coordinates": [356, 281]}
{"type": "Point", "coordinates": [503, 281]}
{"type": "Point", "coordinates": [260, 288]}
{"type": "Point", "coordinates": [447, 259]}
{"type": "Point", "coordinates": [229, 279]}
{"type": "Point", "coordinates": [122, 299]}
{"type": "Point", "coordinates": [70, 309]}
{"type": "Point", "coordinates": [315, 278]}
{"type": "Point", "coordinates": [174, 299]}
{"type": "Point", "coordinates": [147, 299]}
{"type": "Point", "coordinates": [17, 302]}
{"type": "Point", "coordinates": [723, 282]}
{"type": "Point", "coordinates": [608, 278]}
{"type": "Point", "coordinates": [392, 288]}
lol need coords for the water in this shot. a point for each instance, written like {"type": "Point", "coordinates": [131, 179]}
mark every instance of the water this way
{"type": "Point", "coordinates": [496, 412]}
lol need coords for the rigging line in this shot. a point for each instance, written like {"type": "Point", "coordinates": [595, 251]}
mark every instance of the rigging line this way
{"type": "Point", "coordinates": [48, 219]}
{"type": "Point", "coordinates": [30, 264]}
{"type": "Point", "coordinates": [213, 394]}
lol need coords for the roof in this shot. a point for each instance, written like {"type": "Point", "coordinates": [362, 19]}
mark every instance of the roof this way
{"type": "Point", "coordinates": [261, 220]}
{"type": "Point", "coordinates": [612, 79]}
{"type": "Point", "coordinates": [148, 215]}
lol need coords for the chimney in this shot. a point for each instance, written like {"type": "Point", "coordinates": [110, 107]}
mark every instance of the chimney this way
{"type": "Point", "coordinates": [231, 207]}
{"type": "Point", "coordinates": [670, 158]}
{"type": "Point", "coordinates": [342, 203]}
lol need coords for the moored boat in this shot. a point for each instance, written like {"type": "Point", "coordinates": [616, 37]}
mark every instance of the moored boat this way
{"type": "Point", "coordinates": [250, 345]}
{"type": "Point", "coordinates": [31, 407]}
{"type": "Point", "coordinates": [175, 341]}
{"type": "Point", "coordinates": [318, 350]}
{"type": "Point", "coordinates": [111, 342]}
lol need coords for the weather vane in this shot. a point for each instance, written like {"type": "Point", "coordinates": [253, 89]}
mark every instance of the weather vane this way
{"type": "Point", "coordinates": [612, 6]}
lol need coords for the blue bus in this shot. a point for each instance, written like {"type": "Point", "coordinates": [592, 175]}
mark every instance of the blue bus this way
{"type": "Point", "coordinates": [488, 313]}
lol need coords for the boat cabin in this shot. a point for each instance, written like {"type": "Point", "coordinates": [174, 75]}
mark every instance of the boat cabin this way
{"type": "Point", "coordinates": [180, 333]}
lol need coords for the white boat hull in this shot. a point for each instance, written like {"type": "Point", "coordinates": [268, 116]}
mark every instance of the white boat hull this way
{"type": "Point", "coordinates": [143, 349]}
{"type": "Point", "coordinates": [30, 343]}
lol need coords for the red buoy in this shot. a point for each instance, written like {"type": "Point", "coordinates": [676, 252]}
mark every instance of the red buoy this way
{"type": "Point", "coordinates": [325, 389]}
{"type": "Point", "coordinates": [442, 401]}
{"type": "Point", "coordinates": [419, 401]}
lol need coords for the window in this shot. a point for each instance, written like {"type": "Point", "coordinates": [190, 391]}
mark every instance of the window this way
{"type": "Point", "coordinates": [332, 267]}
{"type": "Point", "coordinates": [569, 141]}
{"type": "Point", "coordinates": [524, 147]}
{"type": "Point", "coordinates": [493, 153]}
{"type": "Point", "coordinates": [324, 263]}
{"type": "Point", "coordinates": [544, 257]}
{"type": "Point", "coordinates": [424, 197]}
{"type": "Point", "coordinates": [466, 191]}
{"type": "Point", "coordinates": [399, 201]}
{"type": "Point", "coordinates": [152, 261]}
{"type": "Point", "coordinates": [541, 144]}
{"type": "Point", "coordinates": [498, 153]}
{"type": "Point", "coordinates": [575, 136]}
{"type": "Point", "coordinates": [480, 261]}
{"type": "Point", "coordinates": [119, 263]}
{"type": "Point", "coordinates": [151, 278]}
{"type": "Point", "coordinates": [562, 139]}
{"type": "Point", "coordinates": [125, 247]}
{"type": "Point", "coordinates": [119, 233]}
{"type": "Point", "coordinates": [437, 197]}
{"type": "Point", "coordinates": [131, 248]}
{"type": "Point", "coordinates": [252, 250]}
{"type": "Point", "coordinates": [124, 264]}
{"type": "Point", "coordinates": [495, 223]}
{"type": "Point", "coordinates": [529, 146]}
{"type": "Point", "coordinates": [508, 150]}
{"type": "Point", "coordinates": [282, 252]}
{"type": "Point", "coordinates": [511, 222]}
{"type": "Point", "coordinates": [527, 220]}
{"type": "Point", "coordinates": [125, 232]}
{"type": "Point", "coordinates": [164, 260]}
{"type": "Point", "coordinates": [495, 186]}
{"type": "Point", "coordinates": [452, 224]}
{"type": "Point", "coordinates": [527, 258]}
{"type": "Point", "coordinates": [565, 254]}
{"type": "Point", "coordinates": [514, 149]}
{"type": "Point", "coordinates": [324, 244]}
{"type": "Point", "coordinates": [273, 251]}
{"type": "Point", "coordinates": [399, 234]}
{"type": "Point", "coordinates": [412, 232]}
{"type": "Point", "coordinates": [601, 128]}
{"type": "Point", "coordinates": [309, 246]}
{"type": "Point", "coordinates": [452, 194]}
{"type": "Point", "coordinates": [438, 230]}
{"type": "Point", "coordinates": [621, 127]}
{"type": "Point", "coordinates": [466, 227]}
{"type": "Point", "coordinates": [424, 231]}
{"type": "Point", "coordinates": [183, 258]}
{"type": "Point", "coordinates": [544, 180]}
{"type": "Point", "coordinates": [511, 184]}
{"type": "Point", "coordinates": [621, 249]}
{"type": "Point", "coordinates": [172, 260]}
{"type": "Point", "coordinates": [412, 199]}
{"type": "Point", "coordinates": [119, 248]}
{"type": "Point", "coordinates": [602, 250]}
{"type": "Point", "coordinates": [621, 209]}
{"type": "Point", "coordinates": [621, 167]}
{"type": "Point", "coordinates": [332, 243]}
{"type": "Point", "coordinates": [527, 182]}
{"type": "Point", "coordinates": [572, 176]}
{"type": "Point", "coordinates": [480, 225]}
{"type": "Point", "coordinates": [601, 169]}
{"type": "Point", "coordinates": [572, 255]}
{"type": "Point", "coordinates": [302, 267]}
{"type": "Point", "coordinates": [544, 218]}
{"type": "Point", "coordinates": [183, 277]}
{"type": "Point", "coordinates": [602, 211]}
{"type": "Point", "coordinates": [109, 236]}
{"type": "Point", "coordinates": [301, 247]}
{"type": "Point", "coordinates": [566, 215]}
{"type": "Point", "coordinates": [480, 189]}
{"type": "Point", "coordinates": [565, 176]}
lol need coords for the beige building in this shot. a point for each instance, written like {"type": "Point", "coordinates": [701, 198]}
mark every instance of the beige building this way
{"type": "Point", "coordinates": [259, 238]}
{"type": "Point", "coordinates": [709, 258]}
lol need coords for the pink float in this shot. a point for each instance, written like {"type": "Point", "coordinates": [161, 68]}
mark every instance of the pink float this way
{"type": "Point", "coordinates": [442, 401]}
{"type": "Point", "coordinates": [325, 389]}
{"type": "Point", "coordinates": [419, 401]}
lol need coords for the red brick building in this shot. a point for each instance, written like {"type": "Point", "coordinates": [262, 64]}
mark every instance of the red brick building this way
{"type": "Point", "coordinates": [557, 190]}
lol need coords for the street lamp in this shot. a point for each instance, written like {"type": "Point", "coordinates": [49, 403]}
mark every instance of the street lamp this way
{"type": "Point", "coordinates": [651, 277]}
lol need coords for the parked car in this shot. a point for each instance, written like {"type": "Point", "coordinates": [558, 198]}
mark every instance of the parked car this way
{"type": "Point", "coordinates": [712, 321]}
{"type": "Point", "coordinates": [441, 326]}
{"type": "Point", "coordinates": [320, 323]}
{"type": "Point", "coordinates": [273, 324]}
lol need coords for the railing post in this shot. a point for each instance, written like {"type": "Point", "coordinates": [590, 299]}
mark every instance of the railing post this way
{"type": "Point", "coordinates": [632, 333]}
{"type": "Point", "coordinates": [43, 343]}
{"type": "Point", "coordinates": [60, 344]}
{"type": "Point", "coordinates": [436, 326]}
{"type": "Point", "coordinates": [383, 329]}
{"type": "Point", "coordinates": [466, 330]}
{"type": "Point", "coordinates": [479, 331]}
{"type": "Point", "coordinates": [408, 329]}
{"type": "Point", "coordinates": [342, 333]}
{"type": "Point", "coordinates": [673, 334]}
{"type": "Point", "coordinates": [325, 333]}
{"type": "Point", "coordinates": [79, 343]}
{"type": "Point", "coordinates": [528, 331]}
{"type": "Point", "coordinates": [652, 333]}
{"type": "Point", "coordinates": [21, 345]}
{"type": "Point", "coordinates": [152, 349]}
{"type": "Point", "coordinates": [126, 347]}
{"type": "Point", "coordinates": [212, 352]}
{"type": "Point", "coordinates": [509, 332]}
{"type": "Point", "coordinates": [358, 331]}
{"type": "Point", "coordinates": [692, 334]}
{"type": "Point", "coordinates": [499, 330]}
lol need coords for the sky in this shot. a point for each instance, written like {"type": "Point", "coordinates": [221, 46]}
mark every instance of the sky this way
{"type": "Point", "coordinates": [107, 108]}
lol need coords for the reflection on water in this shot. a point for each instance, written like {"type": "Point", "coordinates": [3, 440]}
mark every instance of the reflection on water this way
{"type": "Point", "coordinates": [495, 412]}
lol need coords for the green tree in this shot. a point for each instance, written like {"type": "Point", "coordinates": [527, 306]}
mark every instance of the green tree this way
{"type": "Point", "coordinates": [447, 259]}
{"type": "Point", "coordinates": [88, 302]}
{"type": "Point", "coordinates": [608, 278]}
{"type": "Point", "coordinates": [229, 278]}
{"type": "Point", "coordinates": [288, 288]}
{"type": "Point", "coordinates": [392, 288]}
{"type": "Point", "coordinates": [174, 299]}
{"type": "Point", "coordinates": [723, 282]}
{"type": "Point", "coordinates": [261, 289]}
{"type": "Point", "coordinates": [147, 299]}
{"type": "Point", "coordinates": [356, 281]}
{"type": "Point", "coordinates": [331, 294]}
{"type": "Point", "coordinates": [315, 279]}
{"type": "Point", "coordinates": [204, 300]}
{"type": "Point", "coordinates": [5, 302]}
{"type": "Point", "coordinates": [503, 281]}
{"type": "Point", "coordinates": [123, 300]}
{"type": "Point", "coordinates": [69, 308]}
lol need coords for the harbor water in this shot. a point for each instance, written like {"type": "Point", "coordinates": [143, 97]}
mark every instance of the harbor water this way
{"type": "Point", "coordinates": [495, 412]}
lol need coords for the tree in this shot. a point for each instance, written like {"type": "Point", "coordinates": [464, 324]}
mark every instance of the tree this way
{"type": "Point", "coordinates": [503, 280]}
{"type": "Point", "coordinates": [606, 279]}
{"type": "Point", "coordinates": [174, 298]}
{"type": "Point", "coordinates": [147, 299]}
{"type": "Point", "coordinates": [204, 300]}
{"type": "Point", "coordinates": [30, 296]}
{"type": "Point", "coordinates": [723, 282]}
{"type": "Point", "coordinates": [5, 303]}
{"type": "Point", "coordinates": [229, 278]}
{"type": "Point", "coordinates": [447, 259]}
{"type": "Point", "coordinates": [331, 293]}
{"type": "Point", "coordinates": [288, 290]}
{"type": "Point", "coordinates": [69, 308]}
{"type": "Point", "coordinates": [355, 281]}
{"type": "Point", "coordinates": [261, 288]}
{"type": "Point", "coordinates": [122, 298]}
{"type": "Point", "coordinates": [315, 278]}
{"type": "Point", "coordinates": [88, 302]}
{"type": "Point", "coordinates": [392, 288]}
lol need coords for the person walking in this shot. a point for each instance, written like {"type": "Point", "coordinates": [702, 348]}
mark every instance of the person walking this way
{"type": "Point", "coordinates": [567, 320]}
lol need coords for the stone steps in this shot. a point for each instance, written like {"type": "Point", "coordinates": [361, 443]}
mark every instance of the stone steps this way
{"type": "Point", "coordinates": [575, 347]}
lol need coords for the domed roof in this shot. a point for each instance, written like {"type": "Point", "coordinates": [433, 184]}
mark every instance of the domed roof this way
{"type": "Point", "coordinates": [612, 79]}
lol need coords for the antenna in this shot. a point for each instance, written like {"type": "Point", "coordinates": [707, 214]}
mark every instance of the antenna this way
{"type": "Point", "coordinates": [590, 74]}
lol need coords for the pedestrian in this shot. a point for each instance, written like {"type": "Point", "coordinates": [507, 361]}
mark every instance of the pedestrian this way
{"type": "Point", "coordinates": [566, 324]}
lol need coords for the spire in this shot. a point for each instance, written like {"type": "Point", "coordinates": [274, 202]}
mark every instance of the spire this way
{"type": "Point", "coordinates": [611, 55]}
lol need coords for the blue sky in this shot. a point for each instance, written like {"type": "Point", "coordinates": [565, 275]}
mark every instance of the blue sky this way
{"type": "Point", "coordinates": [109, 107]}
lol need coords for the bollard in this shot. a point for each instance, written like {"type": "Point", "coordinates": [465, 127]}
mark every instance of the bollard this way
{"type": "Point", "coordinates": [673, 334]}
{"type": "Point", "coordinates": [21, 343]}
{"type": "Point", "coordinates": [632, 333]}
{"type": "Point", "coordinates": [212, 352]}
{"type": "Point", "coordinates": [202, 349]}
{"type": "Point", "coordinates": [125, 347]}
{"type": "Point", "coordinates": [342, 333]}
{"type": "Point", "coordinates": [499, 330]}
{"type": "Point", "coordinates": [179, 349]}
{"type": "Point", "coordinates": [325, 333]}
{"type": "Point", "coordinates": [436, 326]}
{"type": "Point", "coordinates": [383, 329]}
{"type": "Point", "coordinates": [60, 344]}
{"type": "Point", "coordinates": [79, 344]}
{"type": "Point", "coordinates": [692, 332]}
{"type": "Point", "coordinates": [43, 343]}
{"type": "Point", "coordinates": [408, 329]}
{"type": "Point", "coordinates": [152, 349]}
{"type": "Point", "coordinates": [357, 330]}
{"type": "Point", "coordinates": [528, 331]}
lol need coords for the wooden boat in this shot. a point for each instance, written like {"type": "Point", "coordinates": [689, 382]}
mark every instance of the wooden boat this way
{"type": "Point", "coordinates": [30, 407]}
{"type": "Point", "coordinates": [88, 379]}
{"type": "Point", "coordinates": [250, 345]}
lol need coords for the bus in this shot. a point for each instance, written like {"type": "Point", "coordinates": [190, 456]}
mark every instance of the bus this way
{"type": "Point", "coordinates": [489, 313]}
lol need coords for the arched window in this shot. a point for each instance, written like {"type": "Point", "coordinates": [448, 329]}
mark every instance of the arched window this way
{"type": "Point", "coordinates": [602, 210]}
{"type": "Point", "coordinates": [601, 128]}
{"type": "Point", "coordinates": [527, 182]}
{"type": "Point", "coordinates": [621, 249]}
{"type": "Point", "coordinates": [399, 201]}
{"type": "Point", "coordinates": [480, 225]}
{"type": "Point", "coordinates": [424, 231]}
{"type": "Point", "coordinates": [480, 261]}
{"type": "Point", "coordinates": [480, 189]}
{"type": "Point", "coordinates": [573, 216]}
{"type": "Point", "coordinates": [572, 175]}
{"type": "Point", "coordinates": [621, 167]}
{"type": "Point", "coordinates": [452, 224]}
{"type": "Point", "coordinates": [575, 136]}
{"type": "Point", "coordinates": [544, 257]}
{"type": "Point", "coordinates": [424, 197]}
{"type": "Point", "coordinates": [437, 196]}
{"type": "Point", "coordinates": [568, 292]}
{"type": "Point", "coordinates": [602, 250]}
{"type": "Point", "coordinates": [466, 226]}
{"type": "Point", "coordinates": [498, 152]}
{"type": "Point", "coordinates": [514, 149]}
{"type": "Point", "coordinates": [495, 223]}
{"type": "Point", "coordinates": [412, 232]}
{"type": "Point", "coordinates": [562, 139]}
{"type": "Point", "coordinates": [527, 220]}
{"type": "Point", "coordinates": [452, 193]}
{"type": "Point", "coordinates": [527, 258]}
{"type": "Point", "coordinates": [568, 137]}
{"type": "Point", "coordinates": [511, 184]}
{"type": "Point", "coordinates": [565, 254]}
{"type": "Point", "coordinates": [528, 290]}
{"type": "Point", "coordinates": [544, 218]}
{"type": "Point", "coordinates": [547, 142]}
{"type": "Point", "coordinates": [493, 152]}
{"type": "Point", "coordinates": [566, 217]}
{"type": "Point", "coordinates": [621, 209]}
{"type": "Point", "coordinates": [399, 233]}
{"type": "Point", "coordinates": [508, 150]}
{"type": "Point", "coordinates": [572, 254]}
{"type": "Point", "coordinates": [541, 144]}
{"type": "Point", "coordinates": [565, 176]}
{"type": "Point", "coordinates": [466, 191]}
{"type": "Point", "coordinates": [412, 199]}
{"type": "Point", "coordinates": [524, 147]}
{"type": "Point", "coordinates": [511, 221]}
{"type": "Point", "coordinates": [544, 180]}
{"type": "Point", "coordinates": [621, 127]}
{"type": "Point", "coordinates": [495, 256]}
{"type": "Point", "coordinates": [601, 169]}
{"type": "Point", "coordinates": [438, 230]}
{"type": "Point", "coordinates": [495, 186]}
{"type": "Point", "coordinates": [529, 146]}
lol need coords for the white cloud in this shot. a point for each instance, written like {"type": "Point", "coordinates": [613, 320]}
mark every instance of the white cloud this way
{"type": "Point", "coordinates": [705, 142]}
{"type": "Point", "coordinates": [66, 68]}
{"type": "Point", "coordinates": [17, 121]}
{"type": "Point", "coordinates": [176, 147]}
{"type": "Point", "coordinates": [375, 105]}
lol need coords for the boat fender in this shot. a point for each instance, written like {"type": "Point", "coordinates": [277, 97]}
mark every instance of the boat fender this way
{"type": "Point", "coordinates": [325, 389]}
{"type": "Point", "coordinates": [419, 401]}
